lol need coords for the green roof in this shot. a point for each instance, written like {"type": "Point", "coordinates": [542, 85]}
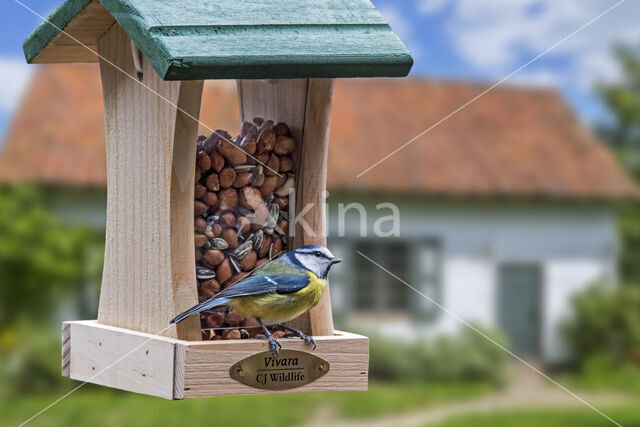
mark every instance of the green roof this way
{"type": "Point", "coordinates": [218, 39]}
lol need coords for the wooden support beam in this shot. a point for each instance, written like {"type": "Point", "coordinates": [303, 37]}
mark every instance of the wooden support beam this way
{"type": "Point", "coordinates": [305, 105]}
{"type": "Point", "coordinates": [151, 128]}
{"type": "Point", "coordinates": [177, 369]}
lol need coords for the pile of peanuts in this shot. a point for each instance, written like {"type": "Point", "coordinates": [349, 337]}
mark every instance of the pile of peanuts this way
{"type": "Point", "coordinates": [242, 189]}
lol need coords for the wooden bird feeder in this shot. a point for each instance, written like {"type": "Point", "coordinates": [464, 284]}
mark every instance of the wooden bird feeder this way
{"type": "Point", "coordinates": [154, 56]}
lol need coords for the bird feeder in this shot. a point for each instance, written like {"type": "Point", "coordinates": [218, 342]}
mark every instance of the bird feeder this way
{"type": "Point", "coordinates": [154, 56]}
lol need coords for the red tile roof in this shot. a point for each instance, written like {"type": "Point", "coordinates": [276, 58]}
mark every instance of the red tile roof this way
{"type": "Point", "coordinates": [510, 142]}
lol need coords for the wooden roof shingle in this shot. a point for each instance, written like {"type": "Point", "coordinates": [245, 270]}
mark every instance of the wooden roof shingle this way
{"type": "Point", "coordinates": [222, 39]}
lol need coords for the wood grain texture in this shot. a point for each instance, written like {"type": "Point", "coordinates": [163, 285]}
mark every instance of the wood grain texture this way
{"type": "Point", "coordinates": [66, 348]}
{"type": "Point", "coordinates": [311, 185]}
{"type": "Point", "coordinates": [149, 266]}
{"type": "Point", "coordinates": [250, 40]}
{"type": "Point", "coordinates": [279, 100]}
{"type": "Point", "coordinates": [177, 369]}
{"type": "Point", "coordinates": [123, 359]}
{"type": "Point", "coordinates": [83, 20]}
{"type": "Point", "coordinates": [305, 105]}
{"type": "Point", "coordinates": [178, 372]}
{"type": "Point", "coordinates": [206, 371]}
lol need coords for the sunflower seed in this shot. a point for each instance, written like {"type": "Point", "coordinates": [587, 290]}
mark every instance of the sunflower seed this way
{"type": "Point", "coordinates": [284, 215]}
{"type": "Point", "coordinates": [219, 243]}
{"type": "Point", "coordinates": [208, 231]}
{"type": "Point", "coordinates": [235, 264]}
{"type": "Point", "coordinates": [269, 198]}
{"type": "Point", "coordinates": [203, 273]}
{"type": "Point", "coordinates": [256, 175]}
{"type": "Point", "coordinates": [274, 212]}
{"type": "Point", "coordinates": [271, 251]}
{"type": "Point", "coordinates": [267, 230]}
{"type": "Point", "coordinates": [279, 230]}
{"type": "Point", "coordinates": [244, 211]}
{"type": "Point", "coordinates": [243, 250]}
{"type": "Point", "coordinates": [213, 219]}
{"type": "Point", "coordinates": [257, 239]}
{"type": "Point", "coordinates": [244, 168]}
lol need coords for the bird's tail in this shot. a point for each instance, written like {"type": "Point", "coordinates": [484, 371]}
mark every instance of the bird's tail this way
{"type": "Point", "coordinates": [205, 305]}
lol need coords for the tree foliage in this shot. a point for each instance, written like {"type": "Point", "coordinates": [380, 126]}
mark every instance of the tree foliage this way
{"type": "Point", "coordinates": [606, 323]}
{"type": "Point", "coordinates": [623, 133]}
{"type": "Point", "coordinates": [40, 257]}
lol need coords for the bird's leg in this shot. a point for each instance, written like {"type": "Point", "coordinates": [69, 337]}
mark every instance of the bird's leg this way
{"type": "Point", "coordinates": [275, 345]}
{"type": "Point", "coordinates": [308, 339]}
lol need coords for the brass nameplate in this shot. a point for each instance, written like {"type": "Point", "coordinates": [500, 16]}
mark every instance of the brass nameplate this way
{"type": "Point", "coordinates": [291, 369]}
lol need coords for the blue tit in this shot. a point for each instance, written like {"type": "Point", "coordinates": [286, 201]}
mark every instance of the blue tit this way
{"type": "Point", "coordinates": [278, 291]}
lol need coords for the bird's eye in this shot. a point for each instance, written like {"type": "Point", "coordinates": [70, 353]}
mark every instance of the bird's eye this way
{"type": "Point", "coordinates": [317, 253]}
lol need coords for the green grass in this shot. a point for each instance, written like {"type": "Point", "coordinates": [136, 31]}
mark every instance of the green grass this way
{"type": "Point", "coordinates": [95, 407]}
{"type": "Point", "coordinates": [583, 417]}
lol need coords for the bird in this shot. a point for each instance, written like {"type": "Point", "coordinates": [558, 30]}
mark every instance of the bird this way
{"type": "Point", "coordinates": [278, 291]}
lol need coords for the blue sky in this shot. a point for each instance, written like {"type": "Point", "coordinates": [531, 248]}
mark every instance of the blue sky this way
{"type": "Point", "coordinates": [451, 39]}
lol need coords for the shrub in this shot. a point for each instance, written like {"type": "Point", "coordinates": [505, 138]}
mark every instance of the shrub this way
{"type": "Point", "coordinates": [606, 322]}
{"type": "Point", "coordinates": [42, 261]}
{"type": "Point", "coordinates": [466, 356]}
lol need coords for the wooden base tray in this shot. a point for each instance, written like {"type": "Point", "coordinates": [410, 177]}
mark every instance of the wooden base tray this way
{"type": "Point", "coordinates": [177, 369]}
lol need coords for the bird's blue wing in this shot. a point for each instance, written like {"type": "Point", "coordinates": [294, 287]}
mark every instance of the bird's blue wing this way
{"type": "Point", "coordinates": [255, 284]}
{"type": "Point", "coordinates": [265, 283]}
{"type": "Point", "coordinates": [291, 284]}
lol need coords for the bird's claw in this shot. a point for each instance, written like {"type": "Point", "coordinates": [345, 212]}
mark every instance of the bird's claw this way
{"type": "Point", "coordinates": [308, 339]}
{"type": "Point", "coordinates": [275, 346]}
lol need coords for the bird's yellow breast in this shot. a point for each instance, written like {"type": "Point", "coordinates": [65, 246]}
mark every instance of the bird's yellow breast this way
{"type": "Point", "coordinates": [276, 308]}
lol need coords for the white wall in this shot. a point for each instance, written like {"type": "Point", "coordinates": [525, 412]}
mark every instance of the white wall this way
{"type": "Point", "coordinates": [574, 244]}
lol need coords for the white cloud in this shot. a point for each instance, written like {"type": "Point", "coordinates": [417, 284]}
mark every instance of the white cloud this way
{"type": "Point", "coordinates": [401, 26]}
{"type": "Point", "coordinates": [537, 78]}
{"type": "Point", "coordinates": [14, 77]}
{"type": "Point", "coordinates": [431, 6]}
{"type": "Point", "coordinates": [497, 36]}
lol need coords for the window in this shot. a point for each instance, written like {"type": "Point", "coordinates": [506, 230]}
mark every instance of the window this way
{"type": "Point", "coordinates": [360, 287]}
{"type": "Point", "coordinates": [428, 277]}
{"type": "Point", "coordinates": [376, 290]}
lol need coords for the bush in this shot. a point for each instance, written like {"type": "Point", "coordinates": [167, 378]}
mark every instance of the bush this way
{"type": "Point", "coordinates": [600, 371]}
{"type": "Point", "coordinates": [606, 323]}
{"type": "Point", "coordinates": [40, 257]}
{"type": "Point", "coordinates": [466, 356]}
{"type": "Point", "coordinates": [42, 261]}
{"type": "Point", "coordinates": [33, 362]}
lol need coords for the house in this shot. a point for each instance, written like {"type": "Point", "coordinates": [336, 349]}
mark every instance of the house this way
{"type": "Point", "coordinates": [504, 211]}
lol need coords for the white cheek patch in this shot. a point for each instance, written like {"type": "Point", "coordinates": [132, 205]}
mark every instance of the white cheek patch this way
{"type": "Point", "coordinates": [310, 262]}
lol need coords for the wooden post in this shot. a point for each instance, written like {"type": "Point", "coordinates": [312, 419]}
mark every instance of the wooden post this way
{"type": "Point", "coordinates": [149, 265]}
{"type": "Point", "coordinates": [305, 105]}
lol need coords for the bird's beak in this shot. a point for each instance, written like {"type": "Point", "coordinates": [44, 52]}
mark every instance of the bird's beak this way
{"type": "Point", "coordinates": [336, 260]}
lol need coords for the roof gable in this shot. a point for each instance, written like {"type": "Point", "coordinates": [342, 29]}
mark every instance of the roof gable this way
{"type": "Point", "coordinates": [511, 143]}
{"type": "Point", "coordinates": [208, 39]}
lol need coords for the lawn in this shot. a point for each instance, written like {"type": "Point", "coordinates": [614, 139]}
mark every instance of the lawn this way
{"type": "Point", "coordinates": [97, 407]}
{"type": "Point", "coordinates": [583, 417]}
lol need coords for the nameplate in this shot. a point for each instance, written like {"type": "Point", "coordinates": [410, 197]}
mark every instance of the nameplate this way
{"type": "Point", "coordinates": [290, 369]}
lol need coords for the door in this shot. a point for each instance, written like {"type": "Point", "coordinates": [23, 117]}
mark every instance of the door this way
{"type": "Point", "coordinates": [519, 290]}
